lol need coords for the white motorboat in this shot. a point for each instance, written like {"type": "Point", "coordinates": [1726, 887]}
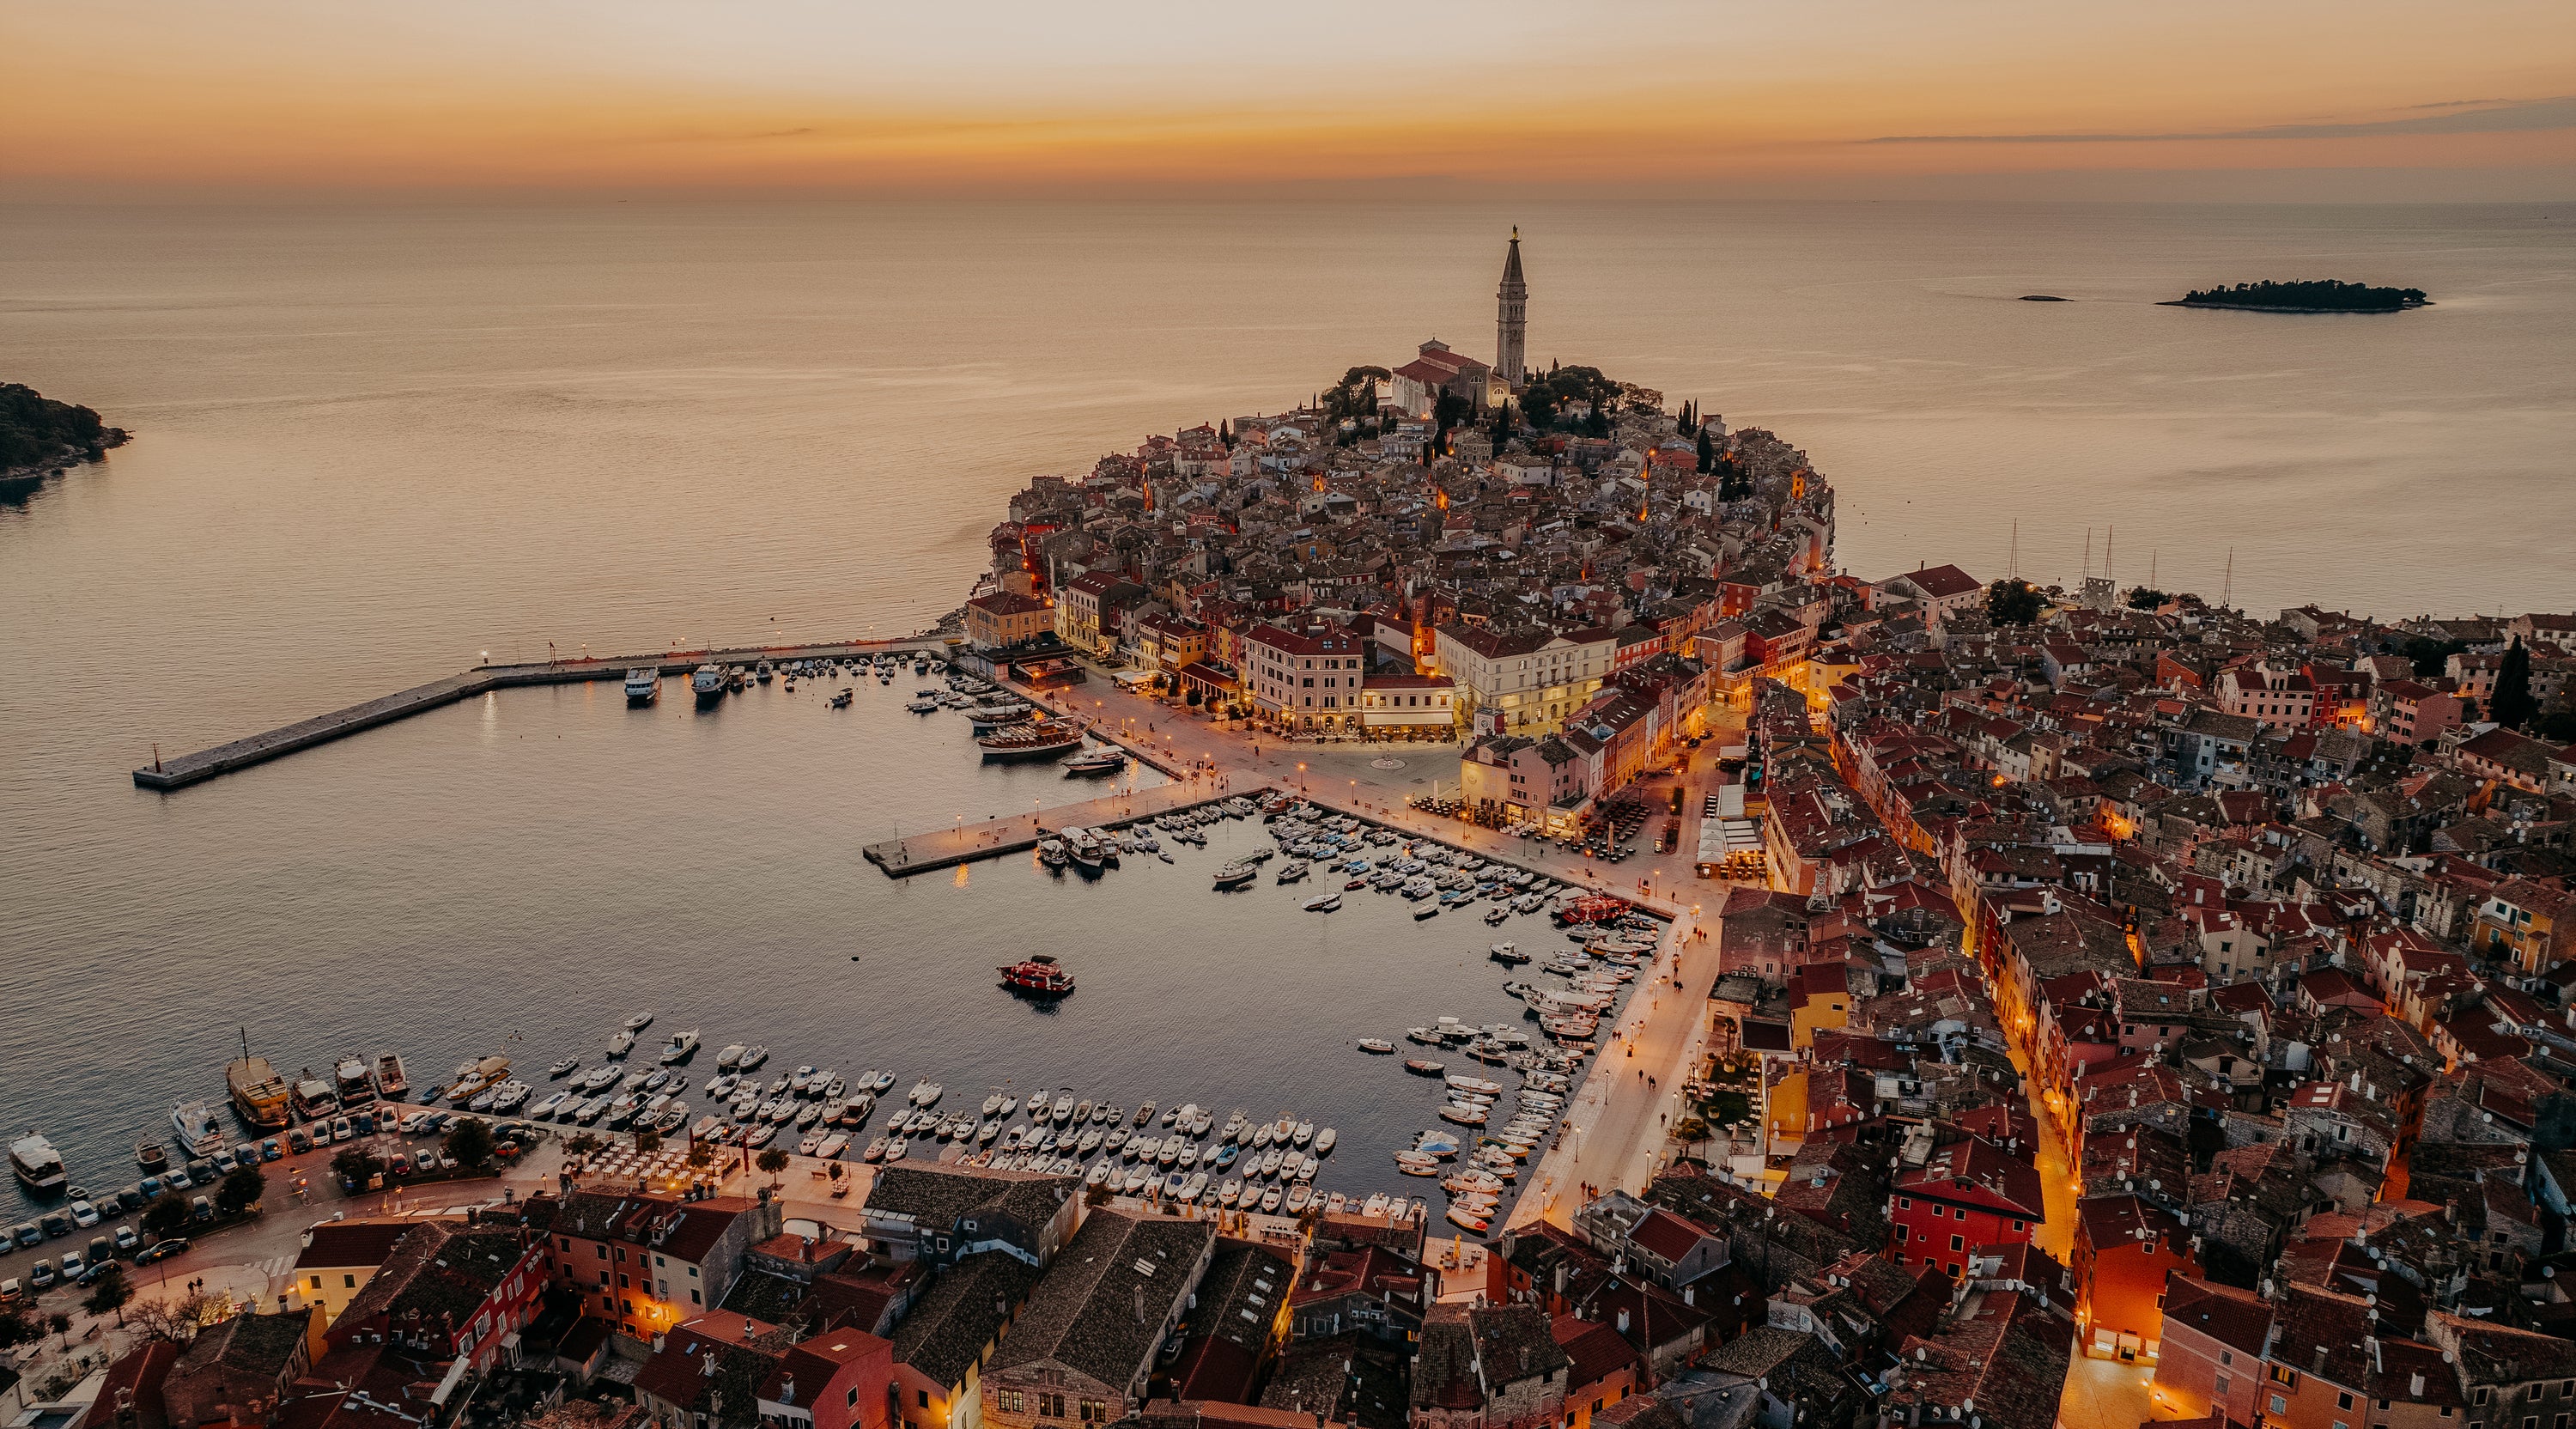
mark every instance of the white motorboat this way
{"type": "Point", "coordinates": [1377, 1046]}
{"type": "Point", "coordinates": [731, 1057]}
{"type": "Point", "coordinates": [643, 685]}
{"type": "Point", "coordinates": [925, 1092]}
{"type": "Point", "coordinates": [40, 1167]}
{"type": "Point", "coordinates": [621, 1044]}
{"type": "Point", "coordinates": [707, 682]}
{"type": "Point", "coordinates": [198, 1131]}
{"type": "Point", "coordinates": [1327, 903]}
{"type": "Point", "coordinates": [681, 1047]}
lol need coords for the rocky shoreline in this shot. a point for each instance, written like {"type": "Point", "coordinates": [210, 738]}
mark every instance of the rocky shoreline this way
{"type": "Point", "coordinates": [65, 457]}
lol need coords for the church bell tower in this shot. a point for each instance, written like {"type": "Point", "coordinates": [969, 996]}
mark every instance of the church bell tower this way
{"type": "Point", "coordinates": [1511, 317]}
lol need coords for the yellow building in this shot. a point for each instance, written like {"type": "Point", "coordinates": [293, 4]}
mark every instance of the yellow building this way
{"type": "Point", "coordinates": [1785, 1118]}
{"type": "Point", "coordinates": [338, 1260]}
{"type": "Point", "coordinates": [1819, 1001]}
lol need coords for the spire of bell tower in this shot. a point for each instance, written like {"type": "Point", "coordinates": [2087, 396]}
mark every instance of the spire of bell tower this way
{"type": "Point", "coordinates": [1511, 317]}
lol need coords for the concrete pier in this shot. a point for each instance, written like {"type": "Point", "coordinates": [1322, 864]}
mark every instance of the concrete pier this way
{"type": "Point", "coordinates": [936, 849]}
{"type": "Point", "coordinates": [259, 748]}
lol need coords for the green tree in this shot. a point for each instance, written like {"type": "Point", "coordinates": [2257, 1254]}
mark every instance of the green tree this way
{"type": "Point", "coordinates": [773, 1160]}
{"type": "Point", "coordinates": [2430, 656]}
{"type": "Point", "coordinates": [109, 1293]}
{"type": "Point", "coordinates": [582, 1143]}
{"type": "Point", "coordinates": [166, 1215]}
{"type": "Point", "coordinates": [2012, 602]}
{"type": "Point", "coordinates": [1734, 483]}
{"type": "Point", "coordinates": [241, 1190]}
{"type": "Point", "coordinates": [470, 1142]}
{"type": "Point", "coordinates": [355, 1167]}
{"type": "Point", "coordinates": [701, 1155]}
{"type": "Point", "coordinates": [2558, 726]}
{"type": "Point", "coordinates": [2512, 704]}
{"type": "Point", "coordinates": [2146, 598]}
{"type": "Point", "coordinates": [647, 1141]}
{"type": "Point", "coordinates": [61, 1324]}
{"type": "Point", "coordinates": [16, 1329]}
{"type": "Point", "coordinates": [1598, 424]}
{"type": "Point", "coordinates": [1707, 451]}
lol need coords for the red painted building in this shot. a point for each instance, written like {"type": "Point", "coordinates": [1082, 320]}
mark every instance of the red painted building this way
{"type": "Point", "coordinates": [2124, 1249]}
{"type": "Point", "coordinates": [419, 1297]}
{"type": "Point", "coordinates": [1967, 1194]}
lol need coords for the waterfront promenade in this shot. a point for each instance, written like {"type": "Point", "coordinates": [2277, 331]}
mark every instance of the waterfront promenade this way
{"type": "Point", "coordinates": [179, 771]}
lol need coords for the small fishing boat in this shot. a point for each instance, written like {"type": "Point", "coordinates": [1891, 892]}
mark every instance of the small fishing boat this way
{"type": "Point", "coordinates": [1039, 976]}
{"type": "Point", "coordinates": [1378, 1046]}
{"type": "Point", "coordinates": [1326, 904]}
{"type": "Point", "coordinates": [1424, 1066]}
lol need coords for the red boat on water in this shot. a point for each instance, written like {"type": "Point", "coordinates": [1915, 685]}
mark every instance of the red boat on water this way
{"type": "Point", "coordinates": [1038, 976]}
{"type": "Point", "coordinates": [1592, 908]}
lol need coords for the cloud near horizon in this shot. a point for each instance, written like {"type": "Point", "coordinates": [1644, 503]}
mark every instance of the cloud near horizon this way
{"type": "Point", "coordinates": [2493, 117]}
{"type": "Point", "coordinates": [1868, 98]}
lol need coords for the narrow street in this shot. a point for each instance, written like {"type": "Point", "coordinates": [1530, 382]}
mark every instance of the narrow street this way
{"type": "Point", "coordinates": [2100, 1394]}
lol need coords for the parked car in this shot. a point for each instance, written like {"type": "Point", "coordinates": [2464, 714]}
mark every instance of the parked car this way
{"type": "Point", "coordinates": [73, 1265]}
{"type": "Point", "coordinates": [41, 1274]}
{"type": "Point", "coordinates": [176, 1180]}
{"type": "Point", "coordinates": [102, 1251]}
{"type": "Point", "coordinates": [224, 1161]}
{"type": "Point", "coordinates": [10, 1290]}
{"type": "Point", "coordinates": [27, 1233]}
{"type": "Point", "coordinates": [298, 1142]}
{"type": "Point", "coordinates": [151, 1188]}
{"type": "Point", "coordinates": [365, 1122]}
{"type": "Point", "coordinates": [84, 1214]}
{"type": "Point", "coordinates": [162, 1250]}
{"type": "Point", "coordinates": [202, 1171]}
{"type": "Point", "coordinates": [56, 1224]}
{"type": "Point", "coordinates": [269, 1150]}
{"type": "Point", "coordinates": [126, 1239]}
{"type": "Point", "coordinates": [202, 1208]}
{"type": "Point", "coordinates": [412, 1124]}
{"type": "Point", "coordinates": [399, 1164]}
{"type": "Point", "coordinates": [131, 1199]}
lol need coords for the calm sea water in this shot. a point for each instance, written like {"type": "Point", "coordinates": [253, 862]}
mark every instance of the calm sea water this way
{"type": "Point", "coordinates": [375, 443]}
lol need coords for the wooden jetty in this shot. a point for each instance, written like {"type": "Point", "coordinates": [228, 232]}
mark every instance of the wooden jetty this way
{"type": "Point", "coordinates": [936, 849]}
{"type": "Point", "coordinates": [259, 748]}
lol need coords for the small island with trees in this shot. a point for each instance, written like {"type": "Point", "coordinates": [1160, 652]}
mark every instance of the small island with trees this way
{"type": "Point", "coordinates": [40, 436]}
{"type": "Point", "coordinates": [2322, 295]}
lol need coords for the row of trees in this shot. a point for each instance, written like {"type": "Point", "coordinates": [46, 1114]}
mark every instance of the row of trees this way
{"type": "Point", "coordinates": [2324, 295]}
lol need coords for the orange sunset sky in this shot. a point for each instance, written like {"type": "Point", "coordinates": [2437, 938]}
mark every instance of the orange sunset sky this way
{"type": "Point", "coordinates": [1854, 98]}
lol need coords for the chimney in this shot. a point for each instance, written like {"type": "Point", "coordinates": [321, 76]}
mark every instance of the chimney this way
{"type": "Point", "coordinates": [1623, 1321]}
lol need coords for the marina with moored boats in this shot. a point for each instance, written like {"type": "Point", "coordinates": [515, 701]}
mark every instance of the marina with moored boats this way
{"type": "Point", "coordinates": [1260, 861]}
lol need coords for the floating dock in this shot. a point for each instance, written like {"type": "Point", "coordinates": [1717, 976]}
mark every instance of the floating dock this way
{"type": "Point", "coordinates": [339, 724]}
{"type": "Point", "coordinates": [936, 849]}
